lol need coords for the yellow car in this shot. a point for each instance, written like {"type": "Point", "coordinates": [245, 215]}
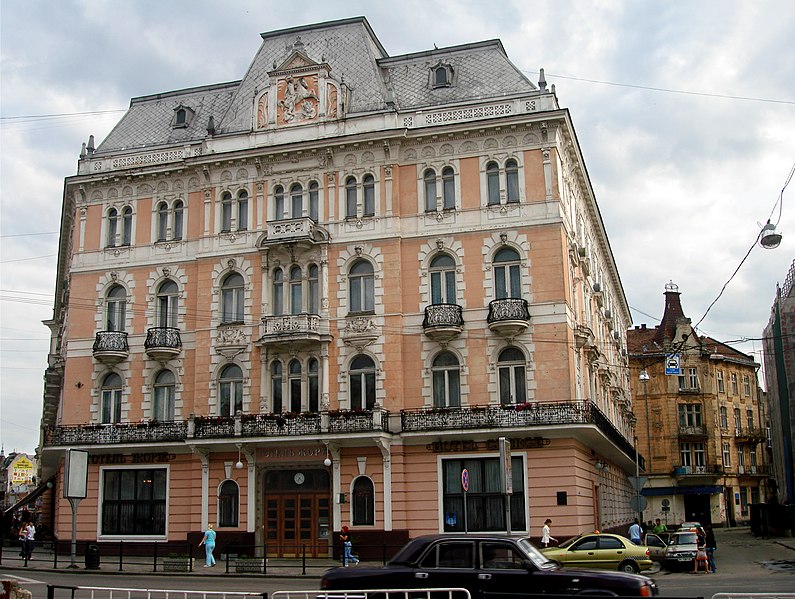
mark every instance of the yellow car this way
{"type": "Point", "coordinates": [601, 550]}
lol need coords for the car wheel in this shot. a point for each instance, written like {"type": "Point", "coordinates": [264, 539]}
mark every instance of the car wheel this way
{"type": "Point", "coordinates": [629, 567]}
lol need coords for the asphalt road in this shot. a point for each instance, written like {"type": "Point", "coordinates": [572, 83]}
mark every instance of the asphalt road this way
{"type": "Point", "coordinates": [746, 564]}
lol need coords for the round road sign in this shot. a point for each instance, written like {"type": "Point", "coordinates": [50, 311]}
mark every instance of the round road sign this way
{"type": "Point", "coordinates": [465, 479]}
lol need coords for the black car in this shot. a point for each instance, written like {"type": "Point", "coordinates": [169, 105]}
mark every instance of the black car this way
{"type": "Point", "coordinates": [485, 565]}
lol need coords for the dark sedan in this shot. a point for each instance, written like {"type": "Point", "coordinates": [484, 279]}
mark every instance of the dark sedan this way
{"type": "Point", "coordinates": [485, 565]}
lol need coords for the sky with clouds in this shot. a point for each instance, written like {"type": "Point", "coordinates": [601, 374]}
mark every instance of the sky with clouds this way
{"type": "Point", "coordinates": [685, 113]}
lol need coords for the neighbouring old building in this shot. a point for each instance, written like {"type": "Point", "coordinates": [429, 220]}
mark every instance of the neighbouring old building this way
{"type": "Point", "coordinates": [700, 422]}
{"type": "Point", "coordinates": [313, 297]}
{"type": "Point", "coordinates": [779, 358]}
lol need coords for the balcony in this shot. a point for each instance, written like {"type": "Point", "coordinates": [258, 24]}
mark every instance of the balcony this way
{"type": "Point", "coordinates": [563, 414]}
{"type": "Point", "coordinates": [297, 330]}
{"type": "Point", "coordinates": [443, 322]}
{"type": "Point", "coordinates": [694, 474]}
{"type": "Point", "coordinates": [758, 470]}
{"type": "Point", "coordinates": [749, 435]}
{"type": "Point", "coordinates": [508, 317]}
{"type": "Point", "coordinates": [294, 230]}
{"type": "Point", "coordinates": [110, 347]}
{"type": "Point", "coordinates": [692, 432]}
{"type": "Point", "coordinates": [340, 422]}
{"type": "Point", "coordinates": [162, 343]}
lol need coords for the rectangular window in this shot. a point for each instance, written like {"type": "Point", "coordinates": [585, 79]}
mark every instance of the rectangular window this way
{"type": "Point", "coordinates": [685, 455]}
{"type": "Point", "coordinates": [746, 385]}
{"type": "Point", "coordinates": [749, 414]}
{"type": "Point", "coordinates": [699, 457]}
{"type": "Point", "coordinates": [242, 214]}
{"type": "Point", "coordinates": [734, 383]}
{"type": "Point", "coordinates": [721, 386]}
{"type": "Point", "coordinates": [134, 502]}
{"type": "Point", "coordinates": [689, 415]}
{"type": "Point", "coordinates": [727, 455]}
{"type": "Point", "coordinates": [740, 457]}
{"type": "Point", "coordinates": [724, 417]}
{"type": "Point", "coordinates": [744, 501]}
{"type": "Point", "coordinates": [753, 461]}
{"type": "Point", "coordinates": [484, 502]}
{"type": "Point", "coordinates": [738, 425]}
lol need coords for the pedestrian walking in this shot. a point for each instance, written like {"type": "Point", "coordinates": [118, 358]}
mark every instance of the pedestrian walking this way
{"type": "Point", "coordinates": [709, 541]}
{"type": "Point", "coordinates": [209, 544]}
{"type": "Point", "coordinates": [347, 548]}
{"type": "Point", "coordinates": [701, 554]}
{"type": "Point", "coordinates": [635, 532]}
{"type": "Point", "coordinates": [546, 537]}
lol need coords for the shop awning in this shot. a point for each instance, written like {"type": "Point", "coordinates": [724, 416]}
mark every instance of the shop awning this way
{"type": "Point", "coordinates": [32, 496]}
{"type": "Point", "coordinates": [695, 490]}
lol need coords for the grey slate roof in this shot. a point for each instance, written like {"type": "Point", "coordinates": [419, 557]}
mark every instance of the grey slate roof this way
{"type": "Point", "coordinates": [148, 121]}
{"type": "Point", "coordinates": [481, 71]}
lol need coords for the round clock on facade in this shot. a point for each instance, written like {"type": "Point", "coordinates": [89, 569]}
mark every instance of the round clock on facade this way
{"type": "Point", "coordinates": [299, 478]}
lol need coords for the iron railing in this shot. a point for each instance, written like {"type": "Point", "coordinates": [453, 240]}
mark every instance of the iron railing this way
{"type": "Point", "coordinates": [167, 337]}
{"type": "Point", "coordinates": [443, 315]}
{"type": "Point", "coordinates": [111, 341]}
{"type": "Point", "coordinates": [508, 309]}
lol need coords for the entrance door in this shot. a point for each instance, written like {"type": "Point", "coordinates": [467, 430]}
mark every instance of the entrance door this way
{"type": "Point", "coordinates": [697, 508]}
{"type": "Point", "coordinates": [297, 513]}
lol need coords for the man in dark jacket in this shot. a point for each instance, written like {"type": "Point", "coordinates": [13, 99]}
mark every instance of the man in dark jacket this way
{"type": "Point", "coordinates": [709, 540]}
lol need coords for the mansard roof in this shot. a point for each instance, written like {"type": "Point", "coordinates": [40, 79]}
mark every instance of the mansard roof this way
{"type": "Point", "coordinates": [352, 54]}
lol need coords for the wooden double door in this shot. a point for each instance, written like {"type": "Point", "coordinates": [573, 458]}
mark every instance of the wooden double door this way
{"type": "Point", "coordinates": [297, 513]}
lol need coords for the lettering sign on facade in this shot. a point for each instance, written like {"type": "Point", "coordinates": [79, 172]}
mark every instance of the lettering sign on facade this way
{"type": "Point", "coordinates": [135, 458]}
{"type": "Point", "coordinates": [487, 445]}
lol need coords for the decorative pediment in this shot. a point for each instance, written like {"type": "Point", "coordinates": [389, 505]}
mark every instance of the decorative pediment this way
{"type": "Point", "coordinates": [299, 91]}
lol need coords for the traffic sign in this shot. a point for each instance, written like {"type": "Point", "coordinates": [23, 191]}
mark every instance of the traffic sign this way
{"type": "Point", "coordinates": [638, 482]}
{"type": "Point", "coordinates": [638, 503]}
{"type": "Point", "coordinates": [465, 479]}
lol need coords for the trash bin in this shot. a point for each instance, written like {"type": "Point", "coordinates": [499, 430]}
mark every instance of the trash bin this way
{"type": "Point", "coordinates": [92, 557]}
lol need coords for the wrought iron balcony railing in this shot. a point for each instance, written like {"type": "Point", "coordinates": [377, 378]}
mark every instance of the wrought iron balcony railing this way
{"type": "Point", "coordinates": [111, 341]}
{"type": "Point", "coordinates": [692, 431]}
{"type": "Point", "coordinates": [702, 470]}
{"type": "Point", "coordinates": [443, 315]}
{"type": "Point", "coordinates": [163, 337]}
{"type": "Point", "coordinates": [508, 309]}
{"type": "Point", "coordinates": [220, 427]}
{"type": "Point", "coordinates": [514, 416]}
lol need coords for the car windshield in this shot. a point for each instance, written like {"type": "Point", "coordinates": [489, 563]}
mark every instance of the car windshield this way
{"type": "Point", "coordinates": [684, 538]}
{"type": "Point", "coordinates": [568, 542]}
{"type": "Point", "coordinates": [538, 559]}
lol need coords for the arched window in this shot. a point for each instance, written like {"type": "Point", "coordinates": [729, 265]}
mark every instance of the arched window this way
{"type": "Point", "coordinates": [446, 381]}
{"type": "Point", "coordinates": [228, 501]}
{"type": "Point", "coordinates": [368, 183]}
{"type": "Point", "coordinates": [295, 290]}
{"type": "Point", "coordinates": [163, 396]}
{"type": "Point", "coordinates": [230, 391]}
{"type": "Point", "coordinates": [507, 278]}
{"type": "Point", "coordinates": [278, 292]}
{"type": "Point", "coordinates": [448, 188]}
{"type": "Point", "coordinates": [512, 181]}
{"type": "Point", "coordinates": [314, 290]}
{"type": "Point", "coordinates": [361, 282]}
{"type": "Point", "coordinates": [242, 210]}
{"type": "Point", "coordinates": [350, 197]}
{"type": "Point", "coordinates": [181, 118]}
{"type": "Point", "coordinates": [442, 270]}
{"type": "Point", "coordinates": [313, 385]}
{"type": "Point", "coordinates": [314, 203]}
{"type": "Point", "coordinates": [511, 373]}
{"type": "Point", "coordinates": [294, 385]}
{"type": "Point", "coordinates": [276, 386]}
{"type": "Point", "coordinates": [179, 213]}
{"type": "Point", "coordinates": [363, 502]}
{"type": "Point", "coordinates": [493, 183]}
{"type": "Point", "coordinates": [167, 304]}
{"type": "Point", "coordinates": [111, 399]}
{"type": "Point", "coordinates": [296, 201]}
{"type": "Point", "coordinates": [278, 203]}
{"type": "Point", "coordinates": [162, 221]}
{"type": "Point", "coordinates": [116, 309]}
{"type": "Point", "coordinates": [429, 179]}
{"type": "Point", "coordinates": [362, 383]}
{"type": "Point", "coordinates": [126, 226]}
{"type": "Point", "coordinates": [113, 225]}
{"type": "Point", "coordinates": [232, 298]}
{"type": "Point", "coordinates": [226, 212]}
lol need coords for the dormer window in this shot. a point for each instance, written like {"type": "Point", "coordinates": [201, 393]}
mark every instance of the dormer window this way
{"type": "Point", "coordinates": [182, 117]}
{"type": "Point", "coordinates": [441, 75]}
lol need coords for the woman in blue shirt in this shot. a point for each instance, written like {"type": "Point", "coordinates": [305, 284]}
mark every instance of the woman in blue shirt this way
{"type": "Point", "coordinates": [209, 544]}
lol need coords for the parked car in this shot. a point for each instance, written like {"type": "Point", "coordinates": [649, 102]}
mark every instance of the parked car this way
{"type": "Point", "coordinates": [657, 543]}
{"type": "Point", "coordinates": [487, 566]}
{"type": "Point", "coordinates": [681, 550]}
{"type": "Point", "coordinates": [693, 526]}
{"type": "Point", "coordinates": [601, 550]}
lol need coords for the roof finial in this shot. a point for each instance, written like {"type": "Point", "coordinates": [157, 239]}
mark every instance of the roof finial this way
{"type": "Point", "coordinates": [671, 286]}
{"type": "Point", "coordinates": [542, 83]}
